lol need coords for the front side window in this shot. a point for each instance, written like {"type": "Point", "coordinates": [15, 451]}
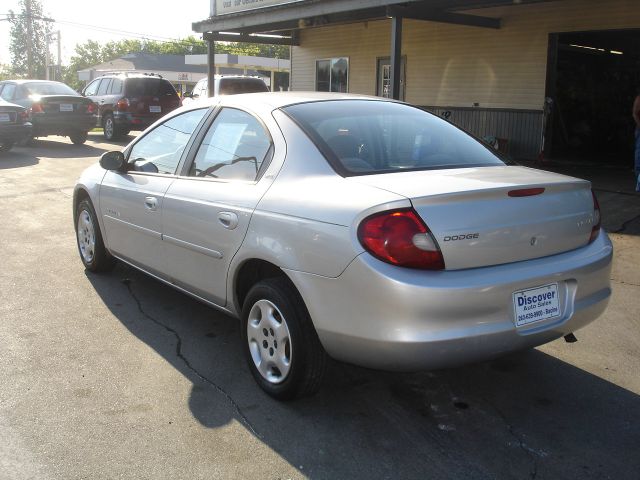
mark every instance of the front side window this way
{"type": "Point", "coordinates": [360, 137]}
{"type": "Point", "coordinates": [160, 150]}
{"type": "Point", "coordinates": [234, 148]}
{"type": "Point", "coordinates": [332, 75]}
{"type": "Point", "coordinates": [92, 88]}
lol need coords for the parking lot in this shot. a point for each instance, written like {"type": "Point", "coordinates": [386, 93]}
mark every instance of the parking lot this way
{"type": "Point", "coordinates": [119, 376]}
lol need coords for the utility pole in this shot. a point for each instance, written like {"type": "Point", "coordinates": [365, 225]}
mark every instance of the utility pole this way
{"type": "Point", "coordinates": [59, 68]}
{"type": "Point", "coordinates": [27, 4]}
{"type": "Point", "coordinates": [47, 40]}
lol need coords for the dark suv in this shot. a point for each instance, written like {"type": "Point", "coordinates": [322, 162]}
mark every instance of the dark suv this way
{"type": "Point", "coordinates": [130, 101]}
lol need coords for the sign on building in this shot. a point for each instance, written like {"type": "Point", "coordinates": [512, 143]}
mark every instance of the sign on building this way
{"type": "Point", "coordinates": [223, 7]}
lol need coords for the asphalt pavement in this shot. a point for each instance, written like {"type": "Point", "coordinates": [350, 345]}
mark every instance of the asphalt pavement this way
{"type": "Point", "coordinates": [119, 376]}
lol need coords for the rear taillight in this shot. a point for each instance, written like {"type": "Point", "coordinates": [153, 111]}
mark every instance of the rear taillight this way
{"type": "Point", "coordinates": [401, 238]}
{"type": "Point", "coordinates": [91, 108]}
{"type": "Point", "coordinates": [36, 108]}
{"type": "Point", "coordinates": [24, 116]}
{"type": "Point", "coordinates": [122, 104]}
{"type": "Point", "coordinates": [597, 218]}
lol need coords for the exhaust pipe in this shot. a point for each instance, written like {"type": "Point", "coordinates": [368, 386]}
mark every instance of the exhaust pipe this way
{"type": "Point", "coordinates": [570, 338]}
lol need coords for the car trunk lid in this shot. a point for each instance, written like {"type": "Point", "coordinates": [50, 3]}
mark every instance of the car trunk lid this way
{"type": "Point", "coordinates": [63, 104]}
{"type": "Point", "coordinates": [494, 215]}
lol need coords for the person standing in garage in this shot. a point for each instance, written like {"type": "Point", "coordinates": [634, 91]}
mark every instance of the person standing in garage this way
{"type": "Point", "coordinates": [636, 117]}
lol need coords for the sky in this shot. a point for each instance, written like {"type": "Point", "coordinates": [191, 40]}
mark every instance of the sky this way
{"type": "Point", "coordinates": [112, 20]}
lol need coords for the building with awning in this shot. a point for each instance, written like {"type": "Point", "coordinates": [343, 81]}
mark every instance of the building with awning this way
{"type": "Point", "coordinates": [554, 75]}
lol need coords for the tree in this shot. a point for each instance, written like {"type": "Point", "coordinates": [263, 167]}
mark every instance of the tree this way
{"type": "Point", "coordinates": [28, 40]}
{"type": "Point", "coordinates": [92, 53]}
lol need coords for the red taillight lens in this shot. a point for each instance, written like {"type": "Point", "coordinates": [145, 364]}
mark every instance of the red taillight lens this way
{"type": "Point", "coordinates": [525, 192]}
{"type": "Point", "coordinates": [401, 238]}
{"type": "Point", "coordinates": [36, 108]}
{"type": "Point", "coordinates": [597, 218]}
{"type": "Point", "coordinates": [91, 108]}
{"type": "Point", "coordinates": [24, 116]}
{"type": "Point", "coordinates": [122, 104]}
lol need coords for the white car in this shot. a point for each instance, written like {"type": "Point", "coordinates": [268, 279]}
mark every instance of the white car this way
{"type": "Point", "coordinates": [352, 227]}
{"type": "Point", "coordinates": [225, 85]}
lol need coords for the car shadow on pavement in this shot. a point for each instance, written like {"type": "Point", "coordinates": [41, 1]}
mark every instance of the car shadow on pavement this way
{"type": "Point", "coordinates": [527, 415]}
{"type": "Point", "coordinates": [17, 159]}
{"type": "Point", "coordinates": [59, 149]}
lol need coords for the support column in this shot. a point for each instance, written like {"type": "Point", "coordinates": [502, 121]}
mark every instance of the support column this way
{"type": "Point", "coordinates": [396, 56]}
{"type": "Point", "coordinates": [211, 63]}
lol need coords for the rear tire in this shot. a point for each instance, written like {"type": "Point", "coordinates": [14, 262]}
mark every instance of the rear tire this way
{"type": "Point", "coordinates": [91, 247]}
{"type": "Point", "coordinates": [279, 341]}
{"type": "Point", "coordinates": [111, 132]}
{"type": "Point", "coordinates": [6, 145]}
{"type": "Point", "coordinates": [78, 138]}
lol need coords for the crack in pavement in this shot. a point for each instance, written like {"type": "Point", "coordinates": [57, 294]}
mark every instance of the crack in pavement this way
{"type": "Point", "coordinates": [531, 453]}
{"type": "Point", "coordinates": [621, 282]}
{"type": "Point", "coordinates": [38, 192]}
{"type": "Point", "coordinates": [181, 356]}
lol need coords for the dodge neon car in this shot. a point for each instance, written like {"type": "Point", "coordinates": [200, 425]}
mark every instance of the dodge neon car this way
{"type": "Point", "coordinates": [350, 227]}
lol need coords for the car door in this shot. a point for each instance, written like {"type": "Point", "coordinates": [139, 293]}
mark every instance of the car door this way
{"type": "Point", "coordinates": [91, 91]}
{"type": "Point", "coordinates": [206, 211]}
{"type": "Point", "coordinates": [131, 202]}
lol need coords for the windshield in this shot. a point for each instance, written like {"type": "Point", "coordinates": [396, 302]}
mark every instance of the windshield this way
{"type": "Point", "coordinates": [44, 88]}
{"type": "Point", "coordinates": [361, 137]}
{"type": "Point", "coordinates": [233, 86]}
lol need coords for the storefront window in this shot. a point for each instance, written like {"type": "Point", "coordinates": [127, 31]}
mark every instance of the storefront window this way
{"type": "Point", "coordinates": [332, 75]}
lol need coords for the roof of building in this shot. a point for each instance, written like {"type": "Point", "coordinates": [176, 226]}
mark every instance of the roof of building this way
{"type": "Point", "coordinates": [149, 62]}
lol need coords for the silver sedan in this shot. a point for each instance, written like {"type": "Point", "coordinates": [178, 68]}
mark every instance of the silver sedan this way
{"type": "Point", "coordinates": [349, 227]}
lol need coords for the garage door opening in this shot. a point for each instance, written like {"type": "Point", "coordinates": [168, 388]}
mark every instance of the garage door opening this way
{"type": "Point", "coordinates": [593, 84]}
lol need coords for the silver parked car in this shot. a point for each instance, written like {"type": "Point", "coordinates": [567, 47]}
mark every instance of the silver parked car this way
{"type": "Point", "coordinates": [359, 228]}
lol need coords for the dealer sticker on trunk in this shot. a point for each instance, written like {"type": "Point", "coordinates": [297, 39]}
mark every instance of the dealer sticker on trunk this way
{"type": "Point", "coordinates": [536, 304]}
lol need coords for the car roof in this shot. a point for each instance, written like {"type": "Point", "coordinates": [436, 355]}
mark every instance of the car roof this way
{"type": "Point", "coordinates": [26, 80]}
{"type": "Point", "coordinates": [277, 100]}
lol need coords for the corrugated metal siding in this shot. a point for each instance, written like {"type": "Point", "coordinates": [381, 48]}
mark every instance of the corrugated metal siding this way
{"type": "Point", "coordinates": [521, 128]}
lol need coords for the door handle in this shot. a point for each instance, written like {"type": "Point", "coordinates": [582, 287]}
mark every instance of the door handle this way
{"type": "Point", "coordinates": [228, 220]}
{"type": "Point", "coordinates": [151, 203]}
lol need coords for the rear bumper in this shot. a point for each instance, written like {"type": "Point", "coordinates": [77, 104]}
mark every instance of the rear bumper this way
{"type": "Point", "coordinates": [15, 133]}
{"type": "Point", "coordinates": [130, 121]}
{"type": "Point", "coordinates": [379, 316]}
{"type": "Point", "coordinates": [62, 125]}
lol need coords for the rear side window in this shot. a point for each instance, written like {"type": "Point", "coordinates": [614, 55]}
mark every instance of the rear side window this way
{"type": "Point", "coordinates": [8, 91]}
{"type": "Point", "coordinates": [234, 148]}
{"type": "Point", "coordinates": [104, 86]}
{"type": "Point", "coordinates": [160, 150]}
{"type": "Point", "coordinates": [360, 137]}
{"type": "Point", "coordinates": [149, 87]}
{"type": "Point", "coordinates": [233, 86]}
{"type": "Point", "coordinates": [116, 87]}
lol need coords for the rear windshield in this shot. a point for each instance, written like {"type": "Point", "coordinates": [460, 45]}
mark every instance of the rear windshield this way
{"type": "Point", "coordinates": [233, 86]}
{"type": "Point", "coordinates": [361, 137]}
{"type": "Point", "coordinates": [43, 88]}
{"type": "Point", "coordinates": [148, 87]}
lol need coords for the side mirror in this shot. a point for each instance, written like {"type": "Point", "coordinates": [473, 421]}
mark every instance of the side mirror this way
{"type": "Point", "coordinates": [187, 95]}
{"type": "Point", "coordinates": [113, 161]}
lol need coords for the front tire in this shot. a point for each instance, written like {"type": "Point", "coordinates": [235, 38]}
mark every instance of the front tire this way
{"type": "Point", "coordinates": [279, 341]}
{"type": "Point", "coordinates": [78, 138]}
{"type": "Point", "coordinates": [91, 247]}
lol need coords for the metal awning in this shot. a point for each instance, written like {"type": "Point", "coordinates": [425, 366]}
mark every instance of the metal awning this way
{"type": "Point", "coordinates": [280, 21]}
